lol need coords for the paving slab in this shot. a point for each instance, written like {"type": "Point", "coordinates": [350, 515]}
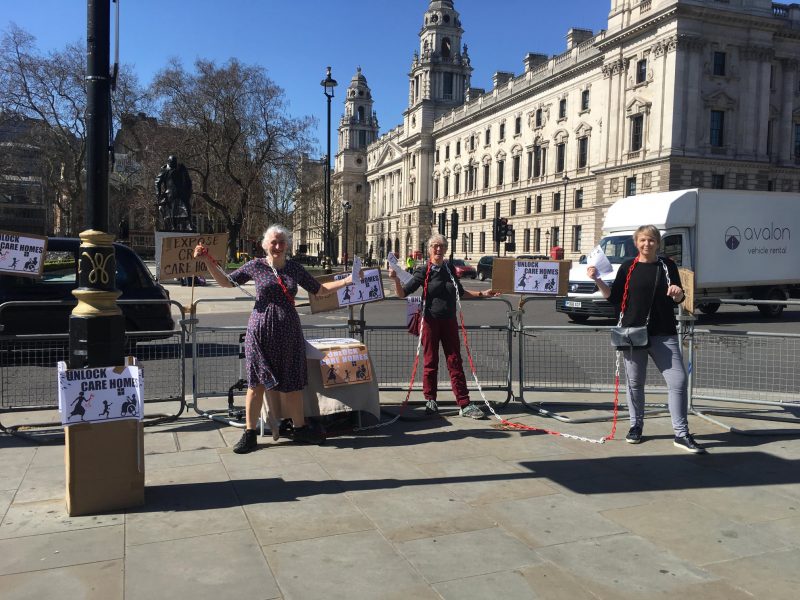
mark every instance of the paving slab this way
{"type": "Point", "coordinates": [92, 581]}
{"type": "Point", "coordinates": [206, 567]}
{"type": "Point", "coordinates": [353, 566]}
{"type": "Point", "coordinates": [774, 575]}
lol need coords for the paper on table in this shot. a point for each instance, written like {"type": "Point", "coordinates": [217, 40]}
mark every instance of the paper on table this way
{"type": "Point", "coordinates": [403, 275]}
{"type": "Point", "coordinates": [597, 258]}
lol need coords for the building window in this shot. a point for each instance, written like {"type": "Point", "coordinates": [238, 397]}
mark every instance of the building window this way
{"type": "Point", "coordinates": [446, 186]}
{"type": "Point", "coordinates": [562, 108]}
{"type": "Point", "coordinates": [447, 92]}
{"type": "Point", "coordinates": [530, 164]}
{"type": "Point", "coordinates": [472, 174]}
{"type": "Point", "coordinates": [458, 148]}
{"type": "Point", "coordinates": [537, 240]}
{"type": "Point", "coordinates": [502, 131]}
{"type": "Point", "coordinates": [464, 214]}
{"type": "Point", "coordinates": [435, 188]}
{"type": "Point", "coordinates": [513, 209]}
{"type": "Point", "coordinates": [515, 169]}
{"type": "Point", "coordinates": [526, 240]}
{"type": "Point", "coordinates": [471, 143]}
{"type": "Point", "coordinates": [500, 168]}
{"type": "Point", "coordinates": [583, 152]}
{"type": "Point", "coordinates": [797, 142]}
{"type": "Point", "coordinates": [482, 242]}
{"type": "Point", "coordinates": [447, 152]}
{"type": "Point", "coordinates": [556, 201]}
{"type": "Point", "coordinates": [716, 133]}
{"type": "Point", "coordinates": [518, 126]}
{"type": "Point", "coordinates": [561, 152]}
{"type": "Point", "coordinates": [537, 161]}
{"type": "Point", "coordinates": [472, 213]}
{"type": "Point", "coordinates": [539, 203]}
{"type": "Point", "coordinates": [497, 209]}
{"type": "Point", "coordinates": [485, 176]}
{"type": "Point", "coordinates": [528, 205]}
{"type": "Point", "coordinates": [538, 117]}
{"type": "Point", "coordinates": [579, 198]}
{"type": "Point", "coordinates": [555, 237]}
{"type": "Point", "coordinates": [576, 238]}
{"type": "Point", "coordinates": [719, 64]}
{"type": "Point", "coordinates": [488, 137]}
{"type": "Point", "coordinates": [630, 186]}
{"type": "Point", "coordinates": [585, 100]}
{"type": "Point", "coordinates": [718, 181]}
{"type": "Point", "coordinates": [637, 132]}
{"type": "Point", "coordinates": [641, 71]}
{"type": "Point", "coordinates": [471, 242]}
{"type": "Point", "coordinates": [436, 156]}
{"type": "Point", "coordinates": [457, 183]}
{"type": "Point", "coordinates": [483, 211]}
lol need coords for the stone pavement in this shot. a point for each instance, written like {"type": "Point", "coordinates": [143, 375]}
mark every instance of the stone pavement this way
{"type": "Point", "coordinates": [438, 508]}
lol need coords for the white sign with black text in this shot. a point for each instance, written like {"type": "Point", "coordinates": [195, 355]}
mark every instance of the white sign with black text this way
{"type": "Point", "coordinates": [100, 394]}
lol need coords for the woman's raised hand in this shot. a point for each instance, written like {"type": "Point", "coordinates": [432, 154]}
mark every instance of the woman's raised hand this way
{"type": "Point", "coordinates": [392, 274]}
{"type": "Point", "coordinates": [591, 272]}
{"type": "Point", "coordinates": [199, 251]}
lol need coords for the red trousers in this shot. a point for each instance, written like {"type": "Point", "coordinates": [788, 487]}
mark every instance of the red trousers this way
{"type": "Point", "coordinates": [445, 331]}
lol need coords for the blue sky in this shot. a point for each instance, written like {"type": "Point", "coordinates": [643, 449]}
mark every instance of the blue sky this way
{"type": "Point", "coordinates": [295, 41]}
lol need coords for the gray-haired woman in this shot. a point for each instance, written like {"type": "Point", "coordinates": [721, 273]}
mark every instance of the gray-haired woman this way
{"type": "Point", "coordinates": [275, 355]}
{"type": "Point", "coordinates": [440, 325]}
{"type": "Point", "coordinates": [651, 287]}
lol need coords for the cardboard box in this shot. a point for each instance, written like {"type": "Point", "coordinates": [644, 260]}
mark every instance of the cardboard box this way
{"type": "Point", "coordinates": [540, 278]}
{"type": "Point", "coordinates": [687, 282]}
{"type": "Point", "coordinates": [105, 466]}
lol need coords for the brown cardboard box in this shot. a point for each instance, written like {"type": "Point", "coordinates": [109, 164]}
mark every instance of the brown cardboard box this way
{"type": "Point", "coordinates": [503, 277]}
{"type": "Point", "coordinates": [105, 466]}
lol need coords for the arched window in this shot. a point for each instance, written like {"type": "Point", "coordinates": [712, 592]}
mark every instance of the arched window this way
{"type": "Point", "coordinates": [360, 114]}
{"type": "Point", "coordinates": [446, 47]}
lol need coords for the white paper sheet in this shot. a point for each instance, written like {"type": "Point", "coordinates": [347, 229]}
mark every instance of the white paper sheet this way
{"type": "Point", "coordinates": [403, 275]}
{"type": "Point", "coordinates": [598, 259]}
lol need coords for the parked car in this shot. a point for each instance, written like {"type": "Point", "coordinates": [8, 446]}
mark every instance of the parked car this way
{"type": "Point", "coordinates": [485, 267]}
{"type": "Point", "coordinates": [305, 259]}
{"type": "Point", "coordinates": [133, 279]}
{"type": "Point", "coordinates": [463, 270]}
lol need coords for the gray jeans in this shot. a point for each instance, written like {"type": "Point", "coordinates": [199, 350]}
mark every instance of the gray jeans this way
{"type": "Point", "coordinates": [666, 353]}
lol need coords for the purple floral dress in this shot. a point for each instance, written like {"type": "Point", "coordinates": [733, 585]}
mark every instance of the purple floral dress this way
{"type": "Point", "coordinates": [275, 354]}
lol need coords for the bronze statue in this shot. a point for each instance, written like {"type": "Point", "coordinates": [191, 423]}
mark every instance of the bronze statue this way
{"type": "Point", "coordinates": [174, 194]}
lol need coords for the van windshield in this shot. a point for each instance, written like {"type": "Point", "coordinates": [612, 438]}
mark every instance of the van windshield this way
{"type": "Point", "coordinates": [618, 248]}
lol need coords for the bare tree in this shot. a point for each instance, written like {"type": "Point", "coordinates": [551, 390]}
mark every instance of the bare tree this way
{"type": "Point", "coordinates": [50, 89]}
{"type": "Point", "coordinates": [236, 132]}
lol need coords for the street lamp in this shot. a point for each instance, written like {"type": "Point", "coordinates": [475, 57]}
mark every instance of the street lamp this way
{"type": "Point", "coordinates": [565, 179]}
{"type": "Point", "coordinates": [328, 84]}
{"type": "Point", "coordinates": [547, 239]}
{"type": "Point", "coordinates": [346, 206]}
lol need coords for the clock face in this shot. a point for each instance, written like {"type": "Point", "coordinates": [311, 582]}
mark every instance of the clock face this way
{"type": "Point", "coordinates": [434, 18]}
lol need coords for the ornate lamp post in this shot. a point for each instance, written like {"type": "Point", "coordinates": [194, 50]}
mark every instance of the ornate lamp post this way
{"type": "Point", "coordinates": [346, 206]}
{"type": "Point", "coordinates": [328, 84]}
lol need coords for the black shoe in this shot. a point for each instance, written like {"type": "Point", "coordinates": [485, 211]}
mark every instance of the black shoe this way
{"type": "Point", "coordinates": [634, 435]}
{"type": "Point", "coordinates": [247, 443]}
{"type": "Point", "coordinates": [307, 435]}
{"type": "Point", "coordinates": [687, 443]}
{"type": "Point", "coordinates": [431, 407]}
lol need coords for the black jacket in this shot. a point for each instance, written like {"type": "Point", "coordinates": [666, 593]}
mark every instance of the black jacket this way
{"type": "Point", "coordinates": [440, 301]}
{"type": "Point", "coordinates": [641, 300]}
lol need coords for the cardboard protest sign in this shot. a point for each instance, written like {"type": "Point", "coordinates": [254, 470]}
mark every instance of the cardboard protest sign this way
{"type": "Point", "coordinates": [517, 276]}
{"type": "Point", "coordinates": [687, 283]}
{"type": "Point", "coordinates": [369, 289]}
{"type": "Point", "coordinates": [345, 365]}
{"type": "Point", "coordinates": [22, 254]}
{"type": "Point", "coordinates": [413, 306]}
{"type": "Point", "coordinates": [175, 251]}
{"type": "Point", "coordinates": [100, 394]}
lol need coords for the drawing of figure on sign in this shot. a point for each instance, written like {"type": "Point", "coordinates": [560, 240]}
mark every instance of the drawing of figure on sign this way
{"type": "Point", "coordinates": [79, 409]}
{"type": "Point", "coordinates": [106, 413]}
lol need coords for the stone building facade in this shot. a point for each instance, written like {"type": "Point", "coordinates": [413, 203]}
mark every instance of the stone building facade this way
{"type": "Point", "coordinates": [672, 94]}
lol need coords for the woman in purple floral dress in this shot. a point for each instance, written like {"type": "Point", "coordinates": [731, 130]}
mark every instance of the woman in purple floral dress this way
{"type": "Point", "coordinates": [275, 355]}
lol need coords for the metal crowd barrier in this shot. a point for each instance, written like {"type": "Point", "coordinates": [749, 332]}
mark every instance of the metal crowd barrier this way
{"type": "Point", "coordinates": [746, 368]}
{"type": "Point", "coordinates": [392, 350]}
{"type": "Point", "coordinates": [28, 363]}
{"type": "Point", "coordinates": [217, 355]}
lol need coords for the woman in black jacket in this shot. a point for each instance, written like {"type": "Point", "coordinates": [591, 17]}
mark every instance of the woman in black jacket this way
{"type": "Point", "coordinates": [653, 289]}
{"type": "Point", "coordinates": [440, 326]}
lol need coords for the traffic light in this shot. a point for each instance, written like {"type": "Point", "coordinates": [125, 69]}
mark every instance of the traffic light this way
{"type": "Point", "coordinates": [502, 229]}
{"type": "Point", "coordinates": [442, 219]}
{"type": "Point", "coordinates": [454, 225]}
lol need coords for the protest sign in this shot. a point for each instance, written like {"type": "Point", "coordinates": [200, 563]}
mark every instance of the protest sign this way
{"type": "Point", "coordinates": [517, 276]}
{"type": "Point", "coordinates": [369, 289]}
{"type": "Point", "coordinates": [22, 254]}
{"type": "Point", "coordinates": [100, 394]}
{"type": "Point", "coordinates": [175, 253]}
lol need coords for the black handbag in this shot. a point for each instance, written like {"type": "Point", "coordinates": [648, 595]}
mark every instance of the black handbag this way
{"type": "Point", "coordinates": [636, 336]}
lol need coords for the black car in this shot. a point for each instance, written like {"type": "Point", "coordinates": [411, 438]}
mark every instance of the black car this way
{"type": "Point", "coordinates": [485, 267]}
{"type": "Point", "coordinates": [60, 277]}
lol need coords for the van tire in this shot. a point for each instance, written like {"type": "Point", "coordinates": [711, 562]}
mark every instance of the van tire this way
{"type": "Point", "coordinates": [708, 308]}
{"type": "Point", "coordinates": [482, 276]}
{"type": "Point", "coordinates": [773, 311]}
